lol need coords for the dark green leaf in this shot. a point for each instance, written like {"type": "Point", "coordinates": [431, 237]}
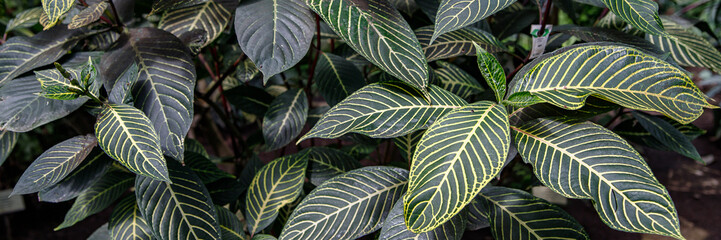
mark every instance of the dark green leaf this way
{"type": "Point", "coordinates": [178, 210]}
{"type": "Point", "coordinates": [456, 43]}
{"type": "Point", "coordinates": [455, 14]}
{"type": "Point", "coordinates": [7, 143]}
{"type": "Point", "coordinates": [127, 223]}
{"type": "Point", "coordinates": [454, 79]}
{"type": "Point", "coordinates": [252, 166]}
{"type": "Point", "coordinates": [337, 78]}
{"type": "Point", "coordinates": [249, 99]}
{"type": "Point", "coordinates": [95, 165]}
{"type": "Point", "coordinates": [206, 170]}
{"type": "Point", "coordinates": [406, 6]}
{"type": "Point", "coordinates": [592, 107]}
{"type": "Point", "coordinates": [98, 197]}
{"type": "Point", "coordinates": [225, 191]}
{"type": "Point", "coordinates": [477, 215]}
{"type": "Point", "coordinates": [641, 14]}
{"type": "Point", "coordinates": [493, 73]}
{"type": "Point", "coordinates": [687, 47]}
{"type": "Point", "coordinates": [394, 227]}
{"type": "Point", "coordinates": [668, 135]}
{"type": "Point", "coordinates": [211, 16]}
{"type": "Point", "coordinates": [407, 143]}
{"type": "Point", "coordinates": [326, 163]}
{"type": "Point", "coordinates": [54, 164]}
{"type": "Point", "coordinates": [285, 118]}
{"type": "Point", "coordinates": [230, 226]}
{"type": "Point", "coordinates": [597, 34]}
{"type": "Point", "coordinates": [192, 145]}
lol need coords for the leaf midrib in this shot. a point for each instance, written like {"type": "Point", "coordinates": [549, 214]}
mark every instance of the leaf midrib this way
{"type": "Point", "coordinates": [513, 215]}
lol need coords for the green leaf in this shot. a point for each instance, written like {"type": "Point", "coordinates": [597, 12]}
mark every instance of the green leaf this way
{"type": "Point", "coordinates": [394, 227]}
{"type": "Point", "coordinates": [126, 135]}
{"type": "Point", "coordinates": [493, 72]}
{"type": "Point", "coordinates": [347, 206]}
{"type": "Point", "coordinates": [230, 226]}
{"type": "Point", "coordinates": [21, 54]}
{"type": "Point", "coordinates": [337, 78]}
{"type": "Point", "coordinates": [457, 156]}
{"type": "Point", "coordinates": [249, 170]}
{"type": "Point", "coordinates": [55, 9]}
{"type": "Point", "coordinates": [178, 210]}
{"type": "Point", "coordinates": [687, 47]}
{"type": "Point", "coordinates": [276, 184]}
{"type": "Point", "coordinates": [120, 89]}
{"type": "Point", "coordinates": [89, 15]}
{"type": "Point", "coordinates": [641, 14]}
{"type": "Point", "coordinates": [127, 223]}
{"type": "Point", "coordinates": [249, 99]}
{"type": "Point", "coordinates": [326, 163]}
{"type": "Point", "coordinates": [212, 17]}
{"type": "Point", "coordinates": [597, 34]}
{"type": "Point", "coordinates": [275, 34]}
{"type": "Point", "coordinates": [380, 34]}
{"type": "Point", "coordinates": [455, 14]}
{"type": "Point", "coordinates": [206, 170]}
{"type": "Point", "coordinates": [387, 110]}
{"type": "Point", "coordinates": [456, 43]}
{"type": "Point", "coordinates": [164, 85]}
{"type": "Point", "coordinates": [668, 135]}
{"type": "Point", "coordinates": [24, 19]}
{"type": "Point", "coordinates": [477, 215]}
{"type": "Point", "coordinates": [54, 86]}
{"type": "Point", "coordinates": [515, 214]}
{"type": "Point", "coordinates": [54, 164]}
{"type": "Point", "coordinates": [285, 118]}
{"type": "Point", "coordinates": [592, 107]}
{"type": "Point", "coordinates": [622, 75]}
{"type": "Point", "coordinates": [454, 79]}
{"type": "Point", "coordinates": [98, 197]}
{"type": "Point", "coordinates": [95, 165]}
{"type": "Point", "coordinates": [7, 143]}
{"type": "Point", "coordinates": [192, 145]}
{"type": "Point", "coordinates": [626, 194]}
{"type": "Point", "coordinates": [407, 143]}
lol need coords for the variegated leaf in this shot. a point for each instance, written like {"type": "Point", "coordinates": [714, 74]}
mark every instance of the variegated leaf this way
{"type": "Point", "coordinates": [24, 19]}
{"type": "Point", "coordinates": [285, 118]}
{"type": "Point", "coordinates": [212, 17]}
{"type": "Point", "coordinates": [454, 79]}
{"type": "Point", "coordinates": [456, 43]}
{"type": "Point", "coordinates": [407, 143]}
{"type": "Point", "coordinates": [206, 170]}
{"type": "Point", "coordinates": [641, 14]}
{"type": "Point", "coordinates": [326, 163]}
{"type": "Point", "coordinates": [127, 223]}
{"type": "Point", "coordinates": [456, 14]}
{"type": "Point", "coordinates": [230, 226]}
{"type": "Point", "coordinates": [98, 197]}
{"type": "Point", "coordinates": [668, 135]}
{"type": "Point", "coordinates": [55, 9]}
{"type": "Point", "coordinates": [394, 227]}
{"type": "Point", "coordinates": [7, 143]}
{"type": "Point", "coordinates": [95, 165]}
{"type": "Point", "coordinates": [337, 78]}
{"type": "Point", "coordinates": [163, 5]}
{"type": "Point", "coordinates": [687, 47]}
{"type": "Point", "coordinates": [493, 72]}
{"type": "Point", "coordinates": [89, 15]}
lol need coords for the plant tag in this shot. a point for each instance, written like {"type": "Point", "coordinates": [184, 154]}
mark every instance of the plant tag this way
{"type": "Point", "coordinates": [12, 204]}
{"type": "Point", "coordinates": [539, 39]}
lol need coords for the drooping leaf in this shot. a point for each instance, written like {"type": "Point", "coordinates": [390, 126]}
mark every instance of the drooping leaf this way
{"type": "Point", "coordinates": [89, 15]}
{"type": "Point", "coordinates": [127, 223]}
{"type": "Point", "coordinates": [95, 165]}
{"type": "Point", "coordinates": [230, 226]}
{"type": "Point", "coordinates": [164, 85]}
{"type": "Point", "coordinates": [54, 164]}
{"type": "Point", "coordinates": [7, 143]}
{"type": "Point", "coordinates": [622, 75]}
{"type": "Point", "coordinates": [55, 9]}
{"type": "Point", "coordinates": [387, 109]}
{"type": "Point", "coordinates": [456, 43]}
{"type": "Point", "coordinates": [22, 54]}
{"type": "Point", "coordinates": [380, 34]}
{"type": "Point", "coordinates": [337, 78]}
{"type": "Point", "coordinates": [163, 5]}
{"type": "Point", "coordinates": [126, 135]}
{"type": "Point", "coordinates": [98, 197]}
{"type": "Point", "coordinates": [206, 170]}
{"type": "Point", "coordinates": [641, 14]}
{"type": "Point", "coordinates": [326, 163]}
{"type": "Point", "coordinates": [687, 47]}
{"type": "Point", "coordinates": [347, 206]}
{"type": "Point", "coordinates": [456, 14]}
{"type": "Point", "coordinates": [454, 79]}
{"type": "Point", "coordinates": [394, 227]}
{"type": "Point", "coordinates": [515, 214]}
{"type": "Point", "coordinates": [493, 72]}
{"type": "Point", "coordinates": [285, 118]}
{"type": "Point", "coordinates": [24, 19]}
{"type": "Point", "coordinates": [249, 99]}
{"type": "Point", "coordinates": [275, 34]}
{"type": "Point", "coordinates": [212, 17]}
{"type": "Point", "coordinates": [626, 194]}
{"type": "Point", "coordinates": [406, 144]}
{"type": "Point", "coordinates": [668, 135]}
{"type": "Point", "coordinates": [457, 156]}
{"type": "Point", "coordinates": [178, 210]}
{"type": "Point", "coordinates": [276, 184]}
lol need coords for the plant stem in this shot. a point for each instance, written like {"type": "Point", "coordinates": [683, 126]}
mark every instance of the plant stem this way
{"type": "Point", "coordinates": [217, 82]}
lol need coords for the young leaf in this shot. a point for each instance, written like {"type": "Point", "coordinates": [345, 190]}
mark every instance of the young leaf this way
{"type": "Point", "coordinates": [622, 75]}
{"type": "Point", "coordinates": [285, 118]}
{"type": "Point", "coordinates": [230, 226]}
{"type": "Point", "coordinates": [55, 9]}
{"type": "Point", "coordinates": [455, 14]}
{"type": "Point", "coordinates": [625, 193]}
{"type": "Point", "coordinates": [7, 143]}
{"type": "Point", "coordinates": [126, 222]}
{"type": "Point", "coordinates": [97, 197]}
{"type": "Point", "coordinates": [337, 78]}
{"type": "Point", "coordinates": [24, 19]}
{"type": "Point", "coordinates": [275, 34]}
{"type": "Point", "coordinates": [380, 34]}
{"type": "Point", "coordinates": [55, 86]}
{"type": "Point", "coordinates": [668, 135]}
{"type": "Point", "coordinates": [492, 71]}
{"type": "Point", "coordinates": [348, 206]}
{"type": "Point", "coordinates": [457, 156]}
{"type": "Point", "coordinates": [212, 17]}
{"type": "Point", "coordinates": [394, 227]}
{"type": "Point", "coordinates": [326, 163]}
{"type": "Point", "coordinates": [22, 54]}
{"type": "Point", "coordinates": [641, 14]}
{"type": "Point", "coordinates": [456, 43]}
{"type": "Point", "coordinates": [95, 165]}
{"type": "Point", "coordinates": [387, 109]}
{"type": "Point", "coordinates": [452, 78]}
{"type": "Point", "coordinates": [54, 164]}
{"type": "Point", "coordinates": [686, 47]}
{"type": "Point", "coordinates": [164, 85]}
{"type": "Point", "coordinates": [515, 214]}
{"type": "Point", "coordinates": [126, 135]}
{"type": "Point", "coordinates": [276, 184]}
{"type": "Point", "coordinates": [89, 15]}
{"type": "Point", "coordinates": [206, 170]}
{"type": "Point", "coordinates": [178, 210]}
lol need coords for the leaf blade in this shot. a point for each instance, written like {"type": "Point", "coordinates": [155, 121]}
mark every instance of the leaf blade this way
{"type": "Point", "coordinates": [455, 14]}
{"type": "Point", "coordinates": [285, 118]}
